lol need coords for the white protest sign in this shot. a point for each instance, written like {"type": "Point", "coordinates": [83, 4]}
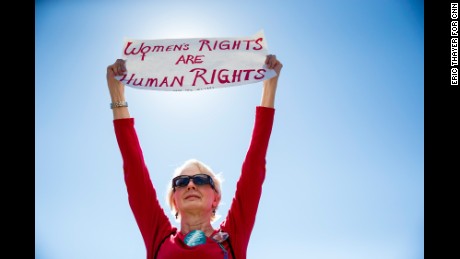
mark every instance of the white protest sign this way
{"type": "Point", "coordinates": [195, 63]}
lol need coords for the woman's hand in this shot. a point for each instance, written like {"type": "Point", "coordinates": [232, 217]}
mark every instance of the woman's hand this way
{"type": "Point", "coordinates": [117, 88]}
{"type": "Point", "coordinates": [269, 88]}
{"type": "Point", "coordinates": [273, 63]}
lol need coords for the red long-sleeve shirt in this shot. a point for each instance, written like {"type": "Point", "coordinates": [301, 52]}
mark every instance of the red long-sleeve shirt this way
{"type": "Point", "coordinates": [160, 237]}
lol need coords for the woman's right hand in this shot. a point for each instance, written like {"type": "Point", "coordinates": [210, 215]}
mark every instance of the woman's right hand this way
{"type": "Point", "coordinates": [116, 88]}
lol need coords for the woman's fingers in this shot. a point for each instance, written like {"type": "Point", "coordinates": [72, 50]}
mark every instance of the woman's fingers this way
{"type": "Point", "coordinates": [117, 69]}
{"type": "Point", "coordinates": [271, 61]}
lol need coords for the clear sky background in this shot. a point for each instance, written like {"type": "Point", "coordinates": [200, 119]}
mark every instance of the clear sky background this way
{"type": "Point", "coordinates": [345, 165]}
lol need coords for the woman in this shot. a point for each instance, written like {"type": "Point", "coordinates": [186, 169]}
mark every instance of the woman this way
{"type": "Point", "coordinates": [195, 191]}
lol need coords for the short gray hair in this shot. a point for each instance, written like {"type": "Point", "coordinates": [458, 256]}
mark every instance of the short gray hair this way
{"type": "Point", "coordinates": [202, 168]}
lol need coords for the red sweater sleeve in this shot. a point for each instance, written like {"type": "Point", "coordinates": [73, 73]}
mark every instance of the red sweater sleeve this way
{"type": "Point", "coordinates": [242, 214]}
{"type": "Point", "coordinates": [150, 217]}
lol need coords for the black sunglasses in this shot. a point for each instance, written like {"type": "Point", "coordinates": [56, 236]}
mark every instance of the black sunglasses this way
{"type": "Point", "coordinates": [198, 179]}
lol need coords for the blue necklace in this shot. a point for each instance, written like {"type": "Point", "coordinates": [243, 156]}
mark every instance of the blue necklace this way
{"type": "Point", "coordinates": [194, 238]}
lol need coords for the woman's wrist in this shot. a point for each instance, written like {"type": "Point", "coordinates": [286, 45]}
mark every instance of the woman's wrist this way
{"type": "Point", "coordinates": [119, 104]}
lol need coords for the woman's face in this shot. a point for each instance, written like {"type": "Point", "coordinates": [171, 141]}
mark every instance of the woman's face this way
{"type": "Point", "coordinates": [195, 198]}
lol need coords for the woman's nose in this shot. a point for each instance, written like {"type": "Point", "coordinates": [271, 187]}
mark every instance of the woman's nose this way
{"type": "Point", "coordinates": [191, 185]}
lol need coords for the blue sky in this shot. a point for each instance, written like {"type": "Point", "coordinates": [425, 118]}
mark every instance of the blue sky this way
{"type": "Point", "coordinates": [345, 165]}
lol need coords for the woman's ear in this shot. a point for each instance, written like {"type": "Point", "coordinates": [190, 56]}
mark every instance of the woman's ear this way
{"type": "Point", "coordinates": [174, 203]}
{"type": "Point", "coordinates": [216, 201]}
